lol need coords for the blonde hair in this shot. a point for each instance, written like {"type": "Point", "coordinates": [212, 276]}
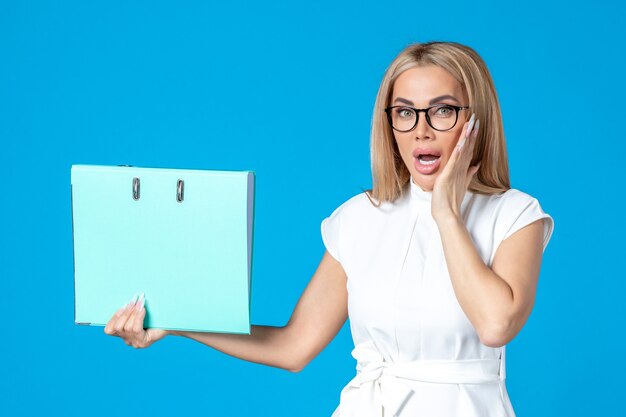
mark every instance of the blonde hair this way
{"type": "Point", "coordinates": [389, 173]}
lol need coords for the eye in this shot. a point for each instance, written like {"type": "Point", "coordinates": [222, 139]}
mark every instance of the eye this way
{"type": "Point", "coordinates": [404, 112]}
{"type": "Point", "coordinates": [444, 111]}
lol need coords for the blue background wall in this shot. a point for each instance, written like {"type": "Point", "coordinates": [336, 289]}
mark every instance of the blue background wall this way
{"type": "Point", "coordinates": [287, 90]}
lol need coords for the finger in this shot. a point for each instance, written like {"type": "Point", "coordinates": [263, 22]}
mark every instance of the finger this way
{"type": "Point", "coordinates": [456, 151]}
{"type": "Point", "coordinates": [474, 136]}
{"type": "Point", "coordinates": [135, 323]}
{"type": "Point", "coordinates": [129, 326]}
{"type": "Point", "coordinates": [476, 129]}
{"type": "Point", "coordinates": [463, 138]}
{"type": "Point", "coordinates": [457, 157]}
{"type": "Point", "coordinates": [118, 327]}
{"type": "Point", "coordinates": [134, 326]}
{"type": "Point", "coordinates": [466, 132]}
{"type": "Point", "coordinates": [142, 337]}
{"type": "Point", "coordinates": [110, 326]}
{"type": "Point", "coordinates": [121, 321]}
{"type": "Point", "coordinates": [450, 169]}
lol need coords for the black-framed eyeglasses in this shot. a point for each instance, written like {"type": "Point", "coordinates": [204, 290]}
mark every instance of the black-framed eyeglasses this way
{"type": "Point", "coordinates": [440, 117]}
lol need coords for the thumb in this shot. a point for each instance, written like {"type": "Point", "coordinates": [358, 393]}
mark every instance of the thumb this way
{"type": "Point", "coordinates": [153, 334]}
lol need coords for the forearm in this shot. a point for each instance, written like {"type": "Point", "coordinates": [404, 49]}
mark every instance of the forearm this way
{"type": "Point", "coordinates": [485, 298]}
{"type": "Point", "coordinates": [266, 345]}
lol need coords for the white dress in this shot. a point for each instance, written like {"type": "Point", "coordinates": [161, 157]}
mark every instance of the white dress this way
{"type": "Point", "coordinates": [417, 353]}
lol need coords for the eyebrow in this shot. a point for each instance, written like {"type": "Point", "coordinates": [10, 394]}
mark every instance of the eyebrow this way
{"type": "Point", "coordinates": [433, 101]}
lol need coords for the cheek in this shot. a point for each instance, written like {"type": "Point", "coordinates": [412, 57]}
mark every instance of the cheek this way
{"type": "Point", "coordinates": [447, 151]}
{"type": "Point", "coordinates": [455, 137]}
{"type": "Point", "coordinates": [450, 148]}
{"type": "Point", "coordinates": [404, 145]}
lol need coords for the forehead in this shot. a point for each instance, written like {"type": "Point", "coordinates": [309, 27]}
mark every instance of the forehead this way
{"type": "Point", "coordinates": [420, 84]}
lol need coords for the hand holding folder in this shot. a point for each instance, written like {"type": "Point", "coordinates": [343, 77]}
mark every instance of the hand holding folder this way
{"type": "Point", "coordinates": [128, 323]}
{"type": "Point", "coordinates": [182, 237]}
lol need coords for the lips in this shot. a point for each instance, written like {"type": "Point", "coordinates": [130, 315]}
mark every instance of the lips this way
{"type": "Point", "coordinates": [425, 151]}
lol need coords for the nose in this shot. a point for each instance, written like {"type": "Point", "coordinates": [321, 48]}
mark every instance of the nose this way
{"type": "Point", "coordinates": [422, 129]}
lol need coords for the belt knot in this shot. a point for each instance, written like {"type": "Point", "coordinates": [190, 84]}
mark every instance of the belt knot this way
{"type": "Point", "coordinates": [380, 388]}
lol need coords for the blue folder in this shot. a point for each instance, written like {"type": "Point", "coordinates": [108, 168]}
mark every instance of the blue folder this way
{"type": "Point", "coordinates": [181, 236]}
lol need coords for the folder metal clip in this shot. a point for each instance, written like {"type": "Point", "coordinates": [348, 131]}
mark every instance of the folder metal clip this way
{"type": "Point", "coordinates": [136, 188]}
{"type": "Point", "coordinates": [179, 191]}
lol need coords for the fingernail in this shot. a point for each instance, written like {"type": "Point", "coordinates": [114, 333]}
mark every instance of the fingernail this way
{"type": "Point", "coordinates": [134, 299]}
{"type": "Point", "coordinates": [470, 126]}
{"type": "Point", "coordinates": [140, 302]}
{"type": "Point", "coordinates": [476, 128]}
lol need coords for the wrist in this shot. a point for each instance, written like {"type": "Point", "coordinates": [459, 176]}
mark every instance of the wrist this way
{"type": "Point", "coordinates": [446, 217]}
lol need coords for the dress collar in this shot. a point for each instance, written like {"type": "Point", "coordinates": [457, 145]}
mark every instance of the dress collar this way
{"type": "Point", "coordinates": [419, 197]}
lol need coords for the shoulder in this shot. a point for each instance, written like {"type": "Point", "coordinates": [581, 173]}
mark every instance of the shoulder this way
{"type": "Point", "coordinates": [360, 206]}
{"type": "Point", "coordinates": [506, 206]}
{"type": "Point", "coordinates": [354, 221]}
{"type": "Point", "coordinates": [511, 202]}
{"type": "Point", "coordinates": [511, 197]}
{"type": "Point", "coordinates": [504, 213]}
{"type": "Point", "coordinates": [333, 227]}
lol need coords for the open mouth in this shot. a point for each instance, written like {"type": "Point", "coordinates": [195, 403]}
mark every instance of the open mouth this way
{"type": "Point", "coordinates": [428, 159]}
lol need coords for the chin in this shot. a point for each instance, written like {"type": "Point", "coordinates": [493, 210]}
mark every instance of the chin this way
{"type": "Point", "coordinates": [426, 182]}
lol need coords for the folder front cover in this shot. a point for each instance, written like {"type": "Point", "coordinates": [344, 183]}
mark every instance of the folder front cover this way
{"type": "Point", "coordinates": [183, 237]}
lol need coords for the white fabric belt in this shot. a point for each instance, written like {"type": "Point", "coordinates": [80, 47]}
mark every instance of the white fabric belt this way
{"type": "Point", "coordinates": [379, 388]}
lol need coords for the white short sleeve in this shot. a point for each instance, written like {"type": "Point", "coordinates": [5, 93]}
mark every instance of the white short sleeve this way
{"type": "Point", "coordinates": [516, 211]}
{"type": "Point", "coordinates": [330, 234]}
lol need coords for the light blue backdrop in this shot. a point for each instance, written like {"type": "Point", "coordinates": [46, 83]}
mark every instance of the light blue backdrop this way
{"type": "Point", "coordinates": [287, 90]}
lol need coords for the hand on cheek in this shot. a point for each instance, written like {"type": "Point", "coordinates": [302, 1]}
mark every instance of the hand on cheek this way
{"type": "Point", "coordinates": [451, 185]}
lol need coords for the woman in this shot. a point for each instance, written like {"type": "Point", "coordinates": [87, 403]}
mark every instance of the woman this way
{"type": "Point", "coordinates": [440, 259]}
